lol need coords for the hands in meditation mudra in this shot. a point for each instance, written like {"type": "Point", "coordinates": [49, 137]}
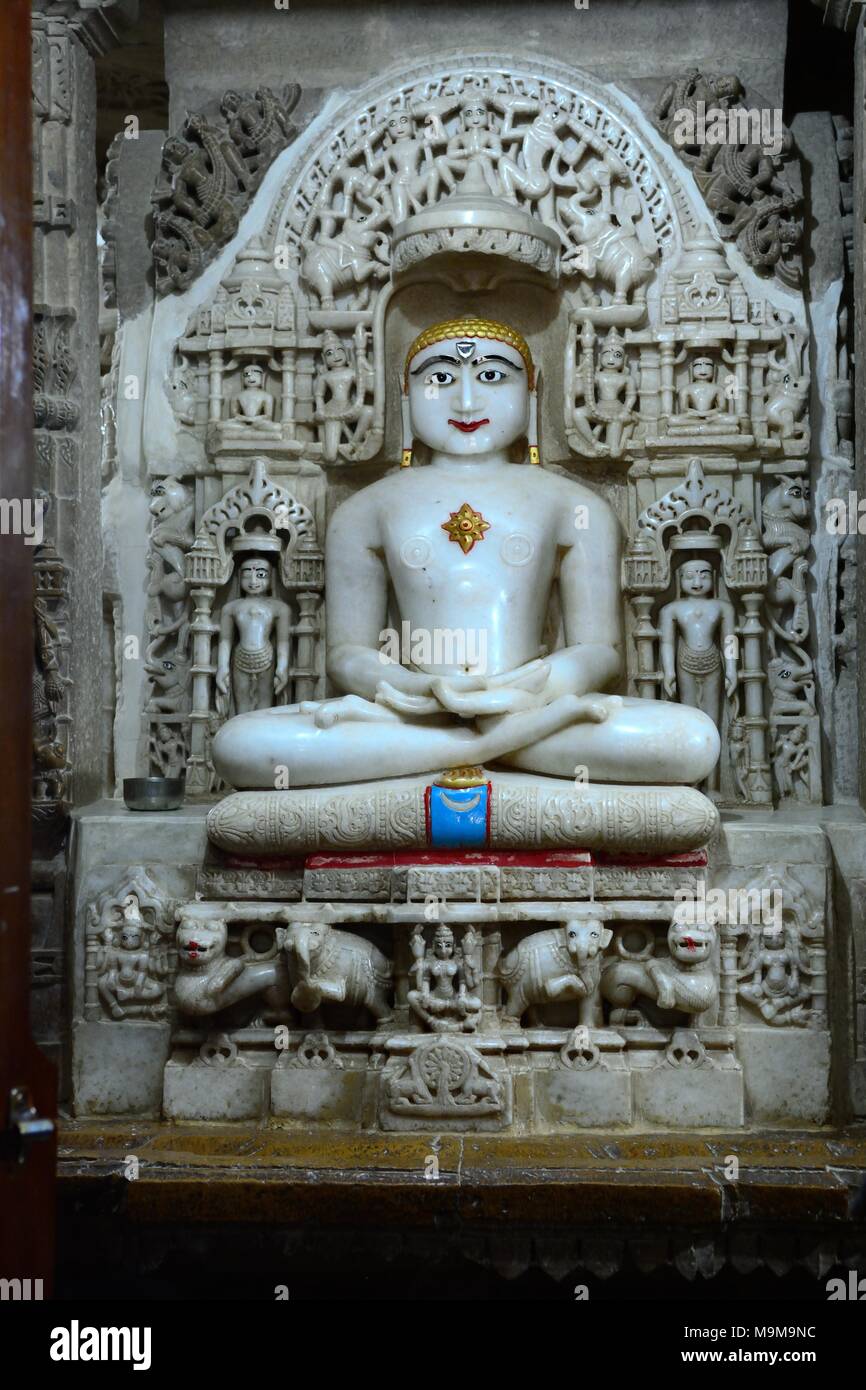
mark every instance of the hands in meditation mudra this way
{"type": "Point", "coordinates": [472, 544]}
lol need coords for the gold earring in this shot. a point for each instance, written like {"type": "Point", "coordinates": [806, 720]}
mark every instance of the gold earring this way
{"type": "Point", "coordinates": [532, 432]}
{"type": "Point", "coordinates": [406, 460]}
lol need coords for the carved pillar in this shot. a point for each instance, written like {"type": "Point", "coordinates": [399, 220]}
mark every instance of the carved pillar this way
{"type": "Point", "coordinates": [202, 629]}
{"type": "Point", "coordinates": [66, 37]}
{"type": "Point", "coordinates": [306, 631]}
{"type": "Point", "coordinates": [752, 678]}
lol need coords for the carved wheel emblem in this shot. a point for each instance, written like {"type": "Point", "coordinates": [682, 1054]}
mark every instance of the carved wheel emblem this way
{"type": "Point", "coordinates": [450, 1065]}
{"type": "Point", "coordinates": [466, 527]}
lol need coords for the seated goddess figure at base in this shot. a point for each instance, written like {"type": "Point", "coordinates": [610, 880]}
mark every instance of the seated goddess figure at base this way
{"type": "Point", "coordinates": [471, 545]}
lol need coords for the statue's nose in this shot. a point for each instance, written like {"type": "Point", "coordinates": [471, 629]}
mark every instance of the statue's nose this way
{"type": "Point", "coordinates": [467, 389]}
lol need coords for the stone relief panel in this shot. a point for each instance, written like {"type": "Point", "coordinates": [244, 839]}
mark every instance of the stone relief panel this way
{"type": "Point", "coordinates": [753, 192]}
{"type": "Point", "coordinates": [209, 174]}
{"type": "Point", "coordinates": [130, 953]}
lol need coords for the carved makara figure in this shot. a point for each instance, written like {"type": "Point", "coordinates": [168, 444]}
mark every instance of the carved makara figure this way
{"type": "Point", "coordinates": [560, 963]}
{"type": "Point", "coordinates": [446, 978]}
{"type": "Point", "coordinates": [684, 980]}
{"type": "Point", "coordinates": [253, 406]}
{"type": "Point", "coordinates": [472, 542]}
{"type": "Point", "coordinates": [172, 508]}
{"type": "Point", "coordinates": [341, 389]}
{"type": "Point", "coordinates": [327, 965]}
{"type": "Point", "coordinates": [693, 629]}
{"type": "Point", "coordinates": [169, 673]}
{"type": "Point", "coordinates": [254, 641]}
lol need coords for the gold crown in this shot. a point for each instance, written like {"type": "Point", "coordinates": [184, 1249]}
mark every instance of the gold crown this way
{"type": "Point", "coordinates": [473, 328]}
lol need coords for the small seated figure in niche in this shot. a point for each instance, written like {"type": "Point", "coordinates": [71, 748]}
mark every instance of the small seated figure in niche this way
{"type": "Point", "coordinates": [253, 406]}
{"type": "Point", "coordinates": [131, 978]}
{"type": "Point", "coordinates": [702, 401]}
{"type": "Point", "coordinates": [259, 664]}
{"type": "Point", "coordinates": [771, 971]}
{"type": "Point", "coordinates": [444, 977]}
{"type": "Point", "coordinates": [692, 628]}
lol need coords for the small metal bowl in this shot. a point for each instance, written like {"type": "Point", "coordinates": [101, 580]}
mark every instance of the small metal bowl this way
{"type": "Point", "coordinates": [153, 793]}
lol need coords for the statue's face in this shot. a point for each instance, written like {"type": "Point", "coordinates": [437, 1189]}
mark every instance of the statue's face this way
{"type": "Point", "coordinates": [443, 946]}
{"type": "Point", "coordinates": [473, 115]}
{"type": "Point", "coordinates": [253, 376]}
{"type": "Point", "coordinates": [399, 125]}
{"type": "Point", "coordinates": [703, 369]}
{"type": "Point", "coordinates": [334, 355]}
{"type": "Point", "coordinates": [255, 577]}
{"type": "Point", "coordinates": [468, 397]}
{"type": "Point", "coordinates": [130, 938]}
{"type": "Point", "coordinates": [696, 578]}
{"type": "Point", "coordinates": [612, 357]}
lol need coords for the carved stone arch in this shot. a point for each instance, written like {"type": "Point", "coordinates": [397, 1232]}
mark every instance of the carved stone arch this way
{"type": "Point", "coordinates": [594, 110]}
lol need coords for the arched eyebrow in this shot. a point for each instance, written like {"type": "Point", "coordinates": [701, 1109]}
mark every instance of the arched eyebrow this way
{"type": "Point", "coordinates": [453, 362]}
{"type": "Point", "coordinates": [440, 357]}
{"type": "Point", "coordinates": [495, 357]}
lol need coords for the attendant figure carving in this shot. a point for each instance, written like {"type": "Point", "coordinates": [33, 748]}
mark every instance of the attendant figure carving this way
{"type": "Point", "coordinates": [254, 641]}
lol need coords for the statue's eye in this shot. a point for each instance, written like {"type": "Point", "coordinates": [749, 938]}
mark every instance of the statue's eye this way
{"type": "Point", "coordinates": [440, 378]}
{"type": "Point", "coordinates": [490, 374]}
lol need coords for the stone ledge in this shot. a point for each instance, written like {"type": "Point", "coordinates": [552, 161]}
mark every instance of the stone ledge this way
{"type": "Point", "coordinates": [250, 1174]}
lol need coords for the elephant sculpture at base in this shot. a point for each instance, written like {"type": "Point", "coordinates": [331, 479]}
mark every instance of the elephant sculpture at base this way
{"type": "Point", "coordinates": [560, 963]}
{"type": "Point", "coordinates": [329, 965]}
{"type": "Point", "coordinates": [685, 980]}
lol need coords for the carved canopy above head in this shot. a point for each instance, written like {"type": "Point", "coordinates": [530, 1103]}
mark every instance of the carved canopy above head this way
{"type": "Point", "coordinates": [261, 515]}
{"type": "Point", "coordinates": [695, 515]}
{"type": "Point", "coordinates": [542, 124]}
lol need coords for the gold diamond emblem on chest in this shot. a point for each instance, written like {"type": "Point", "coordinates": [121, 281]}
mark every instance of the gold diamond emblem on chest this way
{"type": "Point", "coordinates": [466, 526]}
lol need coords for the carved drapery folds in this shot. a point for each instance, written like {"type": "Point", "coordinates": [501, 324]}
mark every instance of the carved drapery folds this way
{"type": "Point", "coordinates": [209, 174]}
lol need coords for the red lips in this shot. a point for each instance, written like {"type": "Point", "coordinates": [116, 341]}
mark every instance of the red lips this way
{"type": "Point", "coordinates": [468, 426]}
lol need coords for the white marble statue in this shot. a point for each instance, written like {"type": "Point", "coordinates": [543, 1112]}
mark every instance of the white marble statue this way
{"type": "Point", "coordinates": [475, 543]}
{"type": "Point", "coordinates": [259, 664]}
{"type": "Point", "coordinates": [692, 629]}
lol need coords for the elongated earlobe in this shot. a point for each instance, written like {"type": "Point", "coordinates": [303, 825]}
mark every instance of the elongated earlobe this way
{"type": "Point", "coordinates": [406, 460]}
{"type": "Point", "coordinates": [532, 432]}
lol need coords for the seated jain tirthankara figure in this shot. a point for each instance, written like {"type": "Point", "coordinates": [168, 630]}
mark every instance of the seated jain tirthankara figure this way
{"type": "Point", "coordinates": [472, 546]}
